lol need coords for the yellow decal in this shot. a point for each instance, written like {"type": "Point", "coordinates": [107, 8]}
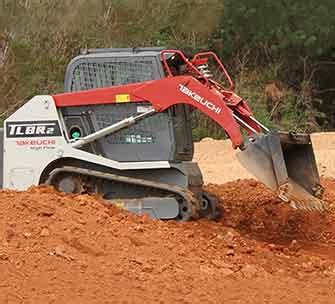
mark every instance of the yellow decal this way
{"type": "Point", "coordinates": [119, 204]}
{"type": "Point", "coordinates": [122, 98]}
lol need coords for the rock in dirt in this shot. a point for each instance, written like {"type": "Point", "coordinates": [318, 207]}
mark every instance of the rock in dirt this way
{"type": "Point", "coordinates": [45, 232]}
{"type": "Point", "coordinates": [230, 252]}
{"type": "Point", "coordinates": [295, 246]}
{"type": "Point", "coordinates": [220, 264]}
{"type": "Point", "coordinates": [4, 256]}
{"type": "Point", "coordinates": [60, 252]}
{"type": "Point", "coordinates": [251, 271]}
{"type": "Point", "coordinates": [229, 237]}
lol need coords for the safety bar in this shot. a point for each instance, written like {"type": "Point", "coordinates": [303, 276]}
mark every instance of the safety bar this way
{"type": "Point", "coordinates": [185, 59]}
{"type": "Point", "coordinates": [111, 129]}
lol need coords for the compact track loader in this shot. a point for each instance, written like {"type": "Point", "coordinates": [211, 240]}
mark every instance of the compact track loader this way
{"type": "Point", "coordinates": [123, 130]}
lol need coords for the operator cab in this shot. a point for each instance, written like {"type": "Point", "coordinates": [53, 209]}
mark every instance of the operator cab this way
{"type": "Point", "coordinates": [161, 137]}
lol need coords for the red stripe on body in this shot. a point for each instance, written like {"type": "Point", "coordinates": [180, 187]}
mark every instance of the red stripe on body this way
{"type": "Point", "coordinates": [97, 96]}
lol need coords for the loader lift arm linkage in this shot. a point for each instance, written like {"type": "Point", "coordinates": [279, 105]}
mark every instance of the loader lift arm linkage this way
{"type": "Point", "coordinates": [208, 96]}
{"type": "Point", "coordinates": [283, 161]}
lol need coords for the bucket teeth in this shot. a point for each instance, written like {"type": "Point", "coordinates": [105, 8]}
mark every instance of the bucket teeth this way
{"type": "Point", "coordinates": [293, 205]}
{"type": "Point", "coordinates": [299, 198]}
{"type": "Point", "coordinates": [310, 206]}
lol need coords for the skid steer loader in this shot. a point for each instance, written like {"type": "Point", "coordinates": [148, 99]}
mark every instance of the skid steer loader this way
{"type": "Point", "coordinates": [122, 129]}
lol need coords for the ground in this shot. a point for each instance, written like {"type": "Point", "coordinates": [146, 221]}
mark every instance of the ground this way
{"type": "Point", "coordinates": [57, 248]}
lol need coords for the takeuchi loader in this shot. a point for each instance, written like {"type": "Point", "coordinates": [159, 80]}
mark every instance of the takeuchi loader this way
{"type": "Point", "coordinates": [123, 130]}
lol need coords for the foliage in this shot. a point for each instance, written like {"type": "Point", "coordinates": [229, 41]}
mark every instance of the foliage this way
{"type": "Point", "coordinates": [297, 37]}
{"type": "Point", "coordinates": [282, 27]}
{"type": "Point", "coordinates": [291, 41]}
{"type": "Point", "coordinates": [44, 35]}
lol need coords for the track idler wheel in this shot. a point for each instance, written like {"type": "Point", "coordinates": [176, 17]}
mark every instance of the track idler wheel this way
{"type": "Point", "coordinates": [68, 183]}
{"type": "Point", "coordinates": [74, 183]}
{"type": "Point", "coordinates": [186, 211]}
{"type": "Point", "coordinates": [209, 207]}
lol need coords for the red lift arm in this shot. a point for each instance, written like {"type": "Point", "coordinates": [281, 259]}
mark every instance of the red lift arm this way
{"type": "Point", "coordinates": [222, 105]}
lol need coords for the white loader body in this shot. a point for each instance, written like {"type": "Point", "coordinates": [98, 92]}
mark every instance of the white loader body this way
{"type": "Point", "coordinates": [35, 136]}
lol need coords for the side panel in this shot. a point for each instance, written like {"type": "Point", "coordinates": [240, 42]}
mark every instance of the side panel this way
{"type": "Point", "coordinates": [33, 138]}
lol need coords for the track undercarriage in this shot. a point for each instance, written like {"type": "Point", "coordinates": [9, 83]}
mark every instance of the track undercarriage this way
{"type": "Point", "coordinates": [142, 196]}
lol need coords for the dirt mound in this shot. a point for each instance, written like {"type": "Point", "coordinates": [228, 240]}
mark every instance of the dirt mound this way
{"type": "Point", "coordinates": [324, 145]}
{"type": "Point", "coordinates": [77, 249]}
{"type": "Point", "coordinates": [57, 248]}
{"type": "Point", "coordinates": [256, 212]}
{"type": "Point", "coordinates": [219, 164]}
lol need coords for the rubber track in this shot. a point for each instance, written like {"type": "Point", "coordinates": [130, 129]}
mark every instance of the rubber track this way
{"type": "Point", "coordinates": [187, 195]}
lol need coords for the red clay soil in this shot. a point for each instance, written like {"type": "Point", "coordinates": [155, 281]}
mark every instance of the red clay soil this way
{"type": "Point", "coordinates": [76, 249]}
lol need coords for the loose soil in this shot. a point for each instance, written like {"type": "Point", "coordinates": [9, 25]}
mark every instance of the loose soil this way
{"type": "Point", "coordinates": [58, 248]}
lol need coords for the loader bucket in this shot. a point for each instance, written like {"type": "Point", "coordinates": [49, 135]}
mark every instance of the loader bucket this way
{"type": "Point", "coordinates": [285, 163]}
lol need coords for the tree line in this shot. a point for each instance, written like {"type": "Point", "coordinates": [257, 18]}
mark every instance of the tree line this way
{"type": "Point", "coordinates": [280, 53]}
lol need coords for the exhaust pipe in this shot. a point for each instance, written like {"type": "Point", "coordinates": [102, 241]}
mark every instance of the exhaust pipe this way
{"type": "Point", "coordinates": [285, 162]}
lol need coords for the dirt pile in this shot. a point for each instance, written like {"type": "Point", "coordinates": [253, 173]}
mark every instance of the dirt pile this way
{"type": "Point", "coordinates": [324, 145]}
{"type": "Point", "coordinates": [218, 162]}
{"type": "Point", "coordinates": [79, 249]}
{"type": "Point", "coordinates": [253, 209]}
{"type": "Point", "coordinates": [76, 249]}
